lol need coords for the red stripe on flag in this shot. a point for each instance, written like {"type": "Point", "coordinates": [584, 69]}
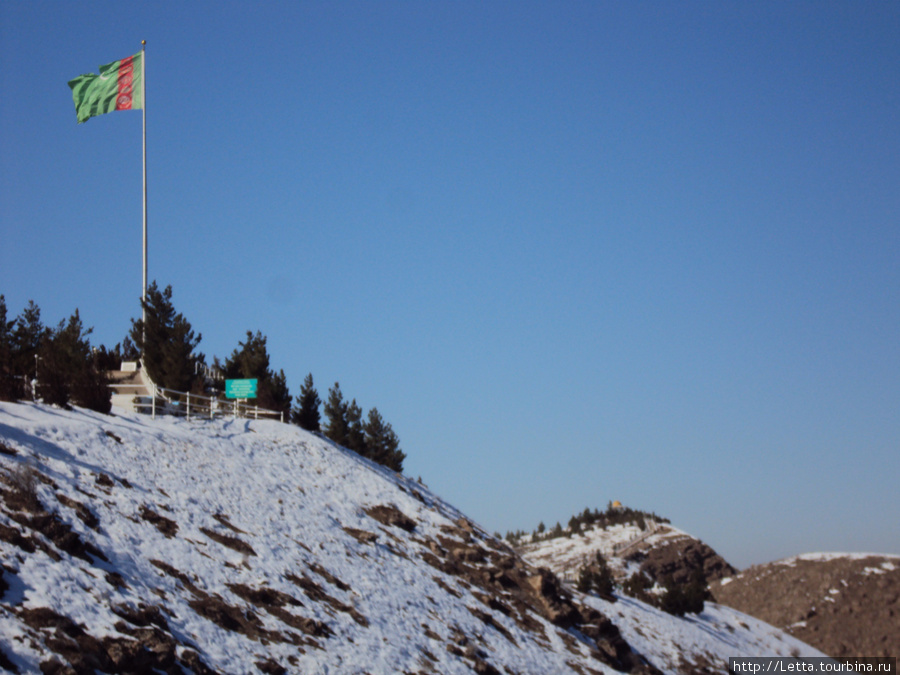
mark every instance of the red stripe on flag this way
{"type": "Point", "coordinates": [126, 80]}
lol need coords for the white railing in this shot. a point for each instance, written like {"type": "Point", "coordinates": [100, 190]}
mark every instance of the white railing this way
{"type": "Point", "coordinates": [170, 402]}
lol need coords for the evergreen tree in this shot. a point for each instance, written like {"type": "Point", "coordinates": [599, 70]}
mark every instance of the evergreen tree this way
{"type": "Point", "coordinates": [91, 388]}
{"type": "Point", "coordinates": [356, 436]}
{"type": "Point", "coordinates": [685, 598]}
{"type": "Point", "coordinates": [68, 369]}
{"type": "Point", "coordinates": [638, 586]}
{"type": "Point", "coordinates": [129, 350]}
{"type": "Point", "coordinates": [306, 413]}
{"type": "Point", "coordinates": [275, 394]}
{"type": "Point", "coordinates": [166, 341]}
{"type": "Point", "coordinates": [382, 444]}
{"type": "Point", "coordinates": [336, 425]}
{"type": "Point", "coordinates": [108, 359]}
{"type": "Point", "coordinates": [28, 335]}
{"type": "Point", "coordinates": [251, 361]}
{"type": "Point", "coordinates": [8, 389]}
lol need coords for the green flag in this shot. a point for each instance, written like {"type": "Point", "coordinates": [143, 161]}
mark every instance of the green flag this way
{"type": "Point", "coordinates": [117, 87]}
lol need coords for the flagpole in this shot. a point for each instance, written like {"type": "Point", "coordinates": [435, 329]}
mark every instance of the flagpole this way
{"type": "Point", "coordinates": [144, 110]}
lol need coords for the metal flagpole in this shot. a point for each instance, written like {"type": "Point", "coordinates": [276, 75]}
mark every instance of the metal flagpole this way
{"type": "Point", "coordinates": [144, 109]}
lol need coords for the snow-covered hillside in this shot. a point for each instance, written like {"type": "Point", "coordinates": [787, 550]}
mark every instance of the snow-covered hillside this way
{"type": "Point", "coordinates": [567, 555]}
{"type": "Point", "coordinates": [234, 546]}
{"type": "Point", "coordinates": [643, 545]}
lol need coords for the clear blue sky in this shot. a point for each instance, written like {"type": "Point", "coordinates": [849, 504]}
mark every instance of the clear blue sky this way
{"type": "Point", "coordinates": [572, 251]}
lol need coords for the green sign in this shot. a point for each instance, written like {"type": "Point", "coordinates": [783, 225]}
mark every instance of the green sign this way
{"type": "Point", "coordinates": [240, 388]}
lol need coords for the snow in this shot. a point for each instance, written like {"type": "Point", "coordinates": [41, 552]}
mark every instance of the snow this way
{"type": "Point", "coordinates": [883, 568]}
{"type": "Point", "coordinates": [826, 557]}
{"type": "Point", "coordinates": [565, 555]}
{"type": "Point", "coordinates": [296, 499]}
{"type": "Point", "coordinates": [672, 643]}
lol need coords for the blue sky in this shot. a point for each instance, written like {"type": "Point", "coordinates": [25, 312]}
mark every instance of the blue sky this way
{"type": "Point", "coordinates": [573, 252]}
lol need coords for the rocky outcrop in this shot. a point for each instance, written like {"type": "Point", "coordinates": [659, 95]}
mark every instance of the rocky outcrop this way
{"type": "Point", "coordinates": [680, 558]}
{"type": "Point", "coordinates": [509, 585]}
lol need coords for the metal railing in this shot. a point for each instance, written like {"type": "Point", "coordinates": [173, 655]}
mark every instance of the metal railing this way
{"type": "Point", "coordinates": [170, 402]}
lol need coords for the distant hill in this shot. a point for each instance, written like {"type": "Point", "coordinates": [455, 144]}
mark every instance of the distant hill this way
{"type": "Point", "coordinates": [632, 542]}
{"type": "Point", "coordinates": [844, 604]}
{"type": "Point", "coordinates": [132, 545]}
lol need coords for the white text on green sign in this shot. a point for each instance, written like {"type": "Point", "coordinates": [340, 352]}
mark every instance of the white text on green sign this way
{"type": "Point", "coordinates": [240, 388]}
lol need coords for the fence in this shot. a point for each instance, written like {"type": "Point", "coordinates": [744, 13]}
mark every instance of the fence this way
{"type": "Point", "coordinates": [170, 402]}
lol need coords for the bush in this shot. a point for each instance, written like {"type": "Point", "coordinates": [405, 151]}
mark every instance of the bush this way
{"type": "Point", "coordinates": [638, 586]}
{"type": "Point", "coordinates": [597, 578]}
{"type": "Point", "coordinates": [689, 598]}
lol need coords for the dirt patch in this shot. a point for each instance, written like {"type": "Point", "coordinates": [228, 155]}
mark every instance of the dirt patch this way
{"type": "Point", "coordinates": [223, 520]}
{"type": "Point", "coordinates": [14, 536]}
{"type": "Point", "coordinates": [237, 620]}
{"type": "Point", "coordinates": [264, 597]}
{"type": "Point", "coordinates": [489, 620]}
{"type": "Point", "coordinates": [63, 537]}
{"type": "Point", "coordinates": [104, 480]}
{"type": "Point", "coordinates": [169, 570]}
{"type": "Point", "coordinates": [83, 512]}
{"type": "Point", "coordinates": [116, 580]}
{"type": "Point", "coordinates": [111, 435]}
{"type": "Point", "coordinates": [7, 450]}
{"type": "Point", "coordinates": [165, 525]}
{"type": "Point", "coordinates": [388, 514]}
{"type": "Point", "coordinates": [19, 490]}
{"type": "Point", "coordinates": [317, 594]}
{"type": "Point", "coordinates": [362, 536]}
{"type": "Point", "coordinates": [142, 615]}
{"type": "Point", "coordinates": [142, 650]}
{"type": "Point", "coordinates": [231, 542]}
{"type": "Point", "coordinates": [25, 508]}
{"type": "Point", "coordinates": [271, 667]}
{"type": "Point", "coordinates": [329, 577]}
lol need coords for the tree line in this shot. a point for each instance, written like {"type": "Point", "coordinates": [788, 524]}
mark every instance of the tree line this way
{"type": "Point", "coordinates": [587, 519]}
{"type": "Point", "coordinates": [59, 366]}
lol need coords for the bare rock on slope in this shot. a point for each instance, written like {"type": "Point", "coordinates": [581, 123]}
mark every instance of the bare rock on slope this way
{"type": "Point", "coordinates": [844, 605]}
{"type": "Point", "coordinates": [679, 558]}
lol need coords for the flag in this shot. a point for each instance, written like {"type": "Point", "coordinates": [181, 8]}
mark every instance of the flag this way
{"type": "Point", "coordinates": [117, 87]}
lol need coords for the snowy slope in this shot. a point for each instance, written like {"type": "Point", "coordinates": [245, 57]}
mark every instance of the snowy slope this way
{"type": "Point", "coordinates": [566, 555]}
{"type": "Point", "coordinates": [670, 643]}
{"type": "Point", "coordinates": [233, 546]}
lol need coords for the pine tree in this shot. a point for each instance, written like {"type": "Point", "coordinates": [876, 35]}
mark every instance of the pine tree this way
{"type": "Point", "coordinates": [8, 389]}
{"type": "Point", "coordinates": [28, 335]}
{"type": "Point", "coordinates": [68, 369]}
{"type": "Point", "coordinates": [306, 413]}
{"type": "Point", "coordinates": [382, 444]}
{"type": "Point", "coordinates": [356, 437]}
{"type": "Point", "coordinates": [251, 361]}
{"type": "Point", "coordinates": [166, 341]}
{"type": "Point", "coordinates": [275, 395]}
{"type": "Point", "coordinates": [336, 426]}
